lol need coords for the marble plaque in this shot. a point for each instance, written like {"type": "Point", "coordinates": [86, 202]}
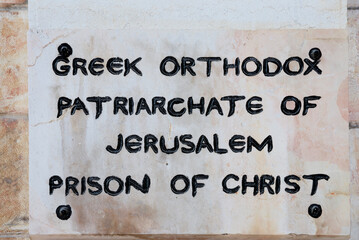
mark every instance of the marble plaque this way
{"type": "Point", "coordinates": [188, 132]}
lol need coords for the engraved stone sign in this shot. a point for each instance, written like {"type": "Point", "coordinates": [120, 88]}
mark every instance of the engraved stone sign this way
{"type": "Point", "coordinates": [188, 132]}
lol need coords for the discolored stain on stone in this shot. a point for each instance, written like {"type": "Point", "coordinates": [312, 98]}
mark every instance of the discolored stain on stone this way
{"type": "Point", "coordinates": [13, 175]}
{"type": "Point", "coordinates": [13, 62]}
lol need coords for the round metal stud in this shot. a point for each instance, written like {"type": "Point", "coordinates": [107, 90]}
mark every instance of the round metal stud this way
{"type": "Point", "coordinates": [315, 54]}
{"type": "Point", "coordinates": [63, 212]}
{"type": "Point", "coordinates": [315, 210]}
{"type": "Point", "coordinates": [65, 50]}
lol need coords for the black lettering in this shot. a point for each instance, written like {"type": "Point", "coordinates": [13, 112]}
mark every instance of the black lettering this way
{"type": "Point", "coordinates": [62, 104]}
{"type": "Point", "coordinates": [83, 185]}
{"type": "Point", "coordinates": [277, 184]}
{"type": "Point", "coordinates": [315, 178]}
{"type": "Point", "coordinates": [96, 63]}
{"type": "Point", "coordinates": [286, 66]}
{"type": "Point", "coordinates": [251, 142]}
{"type": "Point", "coordinates": [232, 103]}
{"type": "Point", "coordinates": [257, 63]}
{"type": "Point", "coordinates": [315, 54]}
{"type": "Point", "coordinates": [144, 188]}
{"type": "Point", "coordinates": [150, 142]}
{"type": "Point", "coordinates": [116, 150]}
{"type": "Point", "coordinates": [174, 181]}
{"type": "Point", "coordinates": [169, 150]}
{"type": "Point", "coordinates": [131, 105]}
{"type": "Point", "coordinates": [54, 183]}
{"type": "Point", "coordinates": [253, 184]}
{"type": "Point", "coordinates": [266, 68]}
{"type": "Point", "coordinates": [107, 182]}
{"type": "Point", "coordinates": [158, 103]}
{"type": "Point", "coordinates": [79, 105]}
{"type": "Point", "coordinates": [114, 63]}
{"type": "Point", "coordinates": [79, 63]}
{"type": "Point", "coordinates": [251, 107]}
{"type": "Point", "coordinates": [265, 182]}
{"type": "Point", "coordinates": [209, 61]}
{"type": "Point", "coordinates": [192, 105]}
{"type": "Point", "coordinates": [216, 147]}
{"type": "Point", "coordinates": [308, 105]}
{"type": "Point", "coordinates": [98, 101]}
{"type": "Point", "coordinates": [237, 141]}
{"type": "Point", "coordinates": [170, 107]}
{"type": "Point", "coordinates": [142, 105]}
{"type": "Point", "coordinates": [226, 66]}
{"type": "Point", "coordinates": [133, 147]}
{"type": "Point", "coordinates": [196, 184]}
{"type": "Point", "coordinates": [183, 140]}
{"type": "Point", "coordinates": [203, 143]}
{"type": "Point", "coordinates": [132, 66]}
{"type": "Point", "coordinates": [225, 187]}
{"type": "Point", "coordinates": [295, 186]}
{"type": "Point", "coordinates": [175, 69]}
{"type": "Point", "coordinates": [65, 69]}
{"type": "Point", "coordinates": [93, 182]}
{"type": "Point", "coordinates": [120, 103]}
{"type": "Point", "coordinates": [71, 184]}
{"type": "Point", "coordinates": [186, 65]}
{"type": "Point", "coordinates": [214, 104]}
{"type": "Point", "coordinates": [295, 110]}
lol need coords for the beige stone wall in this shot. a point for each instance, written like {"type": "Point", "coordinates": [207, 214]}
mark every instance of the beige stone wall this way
{"type": "Point", "coordinates": [14, 118]}
{"type": "Point", "coordinates": [353, 32]}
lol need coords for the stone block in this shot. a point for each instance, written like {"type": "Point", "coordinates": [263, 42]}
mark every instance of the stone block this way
{"type": "Point", "coordinates": [10, 3]}
{"type": "Point", "coordinates": [353, 32]}
{"type": "Point", "coordinates": [353, 4]}
{"type": "Point", "coordinates": [354, 187]}
{"type": "Point", "coordinates": [13, 61]}
{"type": "Point", "coordinates": [188, 14]}
{"type": "Point", "coordinates": [13, 175]}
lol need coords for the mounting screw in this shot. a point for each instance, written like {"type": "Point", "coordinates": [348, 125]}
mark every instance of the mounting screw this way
{"type": "Point", "coordinates": [315, 210]}
{"type": "Point", "coordinates": [65, 50]}
{"type": "Point", "coordinates": [315, 54]}
{"type": "Point", "coordinates": [63, 212]}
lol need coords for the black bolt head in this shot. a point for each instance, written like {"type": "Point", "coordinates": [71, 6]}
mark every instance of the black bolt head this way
{"type": "Point", "coordinates": [65, 50]}
{"type": "Point", "coordinates": [315, 54]}
{"type": "Point", "coordinates": [315, 210]}
{"type": "Point", "coordinates": [63, 212]}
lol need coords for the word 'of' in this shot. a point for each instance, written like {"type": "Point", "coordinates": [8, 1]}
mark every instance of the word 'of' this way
{"type": "Point", "coordinates": [170, 66]}
{"type": "Point", "coordinates": [230, 184]}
